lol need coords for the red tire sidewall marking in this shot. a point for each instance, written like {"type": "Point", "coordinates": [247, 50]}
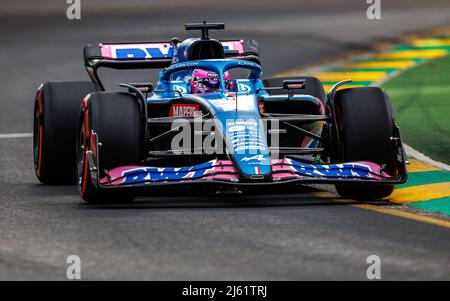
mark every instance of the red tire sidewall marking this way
{"type": "Point", "coordinates": [39, 103]}
{"type": "Point", "coordinates": [39, 92]}
{"type": "Point", "coordinates": [85, 128]}
{"type": "Point", "coordinates": [38, 171]}
{"type": "Point", "coordinates": [85, 170]}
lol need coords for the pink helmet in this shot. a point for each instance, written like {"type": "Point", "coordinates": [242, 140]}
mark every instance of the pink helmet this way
{"type": "Point", "coordinates": [204, 81]}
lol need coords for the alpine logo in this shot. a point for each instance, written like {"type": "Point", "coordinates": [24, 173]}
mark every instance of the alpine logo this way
{"type": "Point", "coordinates": [253, 158]}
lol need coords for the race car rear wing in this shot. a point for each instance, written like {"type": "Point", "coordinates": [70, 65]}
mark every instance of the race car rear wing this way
{"type": "Point", "coordinates": [151, 55]}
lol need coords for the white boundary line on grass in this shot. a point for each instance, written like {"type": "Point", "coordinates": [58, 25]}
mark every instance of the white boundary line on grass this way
{"type": "Point", "coordinates": [424, 158]}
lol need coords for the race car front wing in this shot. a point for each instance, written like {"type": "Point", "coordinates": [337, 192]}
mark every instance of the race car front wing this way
{"type": "Point", "coordinates": [223, 171]}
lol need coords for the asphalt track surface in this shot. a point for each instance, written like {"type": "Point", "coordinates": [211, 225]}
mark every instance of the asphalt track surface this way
{"type": "Point", "coordinates": [275, 236]}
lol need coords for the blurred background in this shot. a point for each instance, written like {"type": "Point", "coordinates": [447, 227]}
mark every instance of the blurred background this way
{"type": "Point", "coordinates": [290, 238]}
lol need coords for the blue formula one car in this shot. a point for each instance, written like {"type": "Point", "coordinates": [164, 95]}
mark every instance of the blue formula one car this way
{"type": "Point", "coordinates": [211, 120]}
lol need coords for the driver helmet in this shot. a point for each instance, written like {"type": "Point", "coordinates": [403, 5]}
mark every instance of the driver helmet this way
{"type": "Point", "coordinates": [204, 81]}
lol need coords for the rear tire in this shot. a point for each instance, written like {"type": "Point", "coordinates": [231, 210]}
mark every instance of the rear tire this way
{"type": "Point", "coordinates": [55, 130]}
{"type": "Point", "coordinates": [313, 86]}
{"type": "Point", "coordinates": [115, 118]}
{"type": "Point", "coordinates": [365, 126]}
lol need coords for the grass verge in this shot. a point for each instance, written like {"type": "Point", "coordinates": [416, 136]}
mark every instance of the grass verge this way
{"type": "Point", "coordinates": [421, 100]}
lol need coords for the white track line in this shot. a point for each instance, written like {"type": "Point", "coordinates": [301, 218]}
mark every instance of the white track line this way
{"type": "Point", "coordinates": [16, 135]}
{"type": "Point", "coordinates": [424, 158]}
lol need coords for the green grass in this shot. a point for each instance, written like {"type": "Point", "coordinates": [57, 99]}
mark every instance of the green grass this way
{"type": "Point", "coordinates": [421, 100]}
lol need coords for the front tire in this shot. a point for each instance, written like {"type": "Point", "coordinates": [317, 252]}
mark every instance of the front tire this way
{"type": "Point", "coordinates": [366, 127]}
{"type": "Point", "coordinates": [116, 119]}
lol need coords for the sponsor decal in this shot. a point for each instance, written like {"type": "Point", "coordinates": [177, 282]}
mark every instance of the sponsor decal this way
{"type": "Point", "coordinates": [148, 50]}
{"type": "Point", "coordinates": [262, 109]}
{"type": "Point", "coordinates": [183, 110]}
{"type": "Point", "coordinates": [237, 128]}
{"type": "Point", "coordinates": [137, 51]}
{"type": "Point", "coordinates": [245, 137]}
{"type": "Point", "coordinates": [352, 170]}
{"type": "Point", "coordinates": [231, 96]}
{"type": "Point", "coordinates": [180, 88]}
{"type": "Point", "coordinates": [234, 45]}
{"type": "Point", "coordinates": [248, 63]}
{"type": "Point", "coordinates": [214, 169]}
{"type": "Point", "coordinates": [282, 169]}
{"type": "Point", "coordinates": [244, 88]}
{"type": "Point", "coordinates": [295, 86]}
